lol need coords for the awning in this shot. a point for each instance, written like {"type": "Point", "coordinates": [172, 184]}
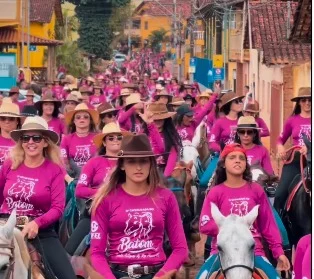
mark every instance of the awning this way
{"type": "Point", "coordinates": [9, 36]}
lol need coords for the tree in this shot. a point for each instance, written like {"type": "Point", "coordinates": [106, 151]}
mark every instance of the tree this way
{"type": "Point", "coordinates": [70, 56]}
{"type": "Point", "coordinates": [95, 30]}
{"type": "Point", "coordinates": [64, 31]}
{"type": "Point", "coordinates": [156, 38]}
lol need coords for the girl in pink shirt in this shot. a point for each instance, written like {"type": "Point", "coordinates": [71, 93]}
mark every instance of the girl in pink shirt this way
{"type": "Point", "coordinates": [236, 194]}
{"type": "Point", "coordinates": [78, 147]}
{"type": "Point", "coordinates": [98, 97]}
{"type": "Point", "coordinates": [9, 121]}
{"type": "Point", "coordinates": [32, 182]}
{"type": "Point", "coordinates": [93, 174]}
{"type": "Point", "coordinates": [130, 215]}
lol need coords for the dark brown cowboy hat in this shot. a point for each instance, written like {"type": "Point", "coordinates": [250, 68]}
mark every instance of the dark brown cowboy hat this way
{"type": "Point", "coordinates": [252, 107]}
{"type": "Point", "coordinates": [229, 97]}
{"type": "Point", "coordinates": [159, 111]}
{"type": "Point", "coordinates": [48, 98]}
{"type": "Point", "coordinates": [304, 92]}
{"type": "Point", "coordinates": [130, 86]}
{"type": "Point", "coordinates": [14, 90]}
{"type": "Point", "coordinates": [85, 89]}
{"type": "Point", "coordinates": [106, 108]}
{"type": "Point", "coordinates": [135, 146]}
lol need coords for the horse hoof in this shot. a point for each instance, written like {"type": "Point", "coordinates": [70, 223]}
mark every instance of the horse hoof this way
{"type": "Point", "coordinates": [195, 237]}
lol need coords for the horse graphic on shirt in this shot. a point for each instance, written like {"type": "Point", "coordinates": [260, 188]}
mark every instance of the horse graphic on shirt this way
{"type": "Point", "coordinates": [139, 224]}
{"type": "Point", "coordinates": [22, 189]}
{"type": "Point", "coordinates": [305, 130]}
{"type": "Point", "coordinates": [82, 155]}
{"type": "Point", "coordinates": [4, 152]}
{"type": "Point", "coordinates": [239, 208]}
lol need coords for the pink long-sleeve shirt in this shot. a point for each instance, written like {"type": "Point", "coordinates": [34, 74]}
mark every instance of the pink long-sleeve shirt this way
{"type": "Point", "coordinates": [93, 174]}
{"type": "Point", "coordinates": [125, 121]}
{"type": "Point", "coordinates": [130, 230]}
{"type": "Point", "coordinates": [35, 192]}
{"type": "Point", "coordinates": [240, 201]}
{"type": "Point", "coordinates": [260, 154]}
{"type": "Point", "coordinates": [261, 124]}
{"type": "Point", "coordinates": [294, 127]}
{"type": "Point", "coordinates": [187, 132]}
{"type": "Point", "coordinates": [57, 125]}
{"type": "Point", "coordinates": [222, 131]}
{"type": "Point", "coordinates": [302, 263]}
{"type": "Point", "coordinates": [5, 146]}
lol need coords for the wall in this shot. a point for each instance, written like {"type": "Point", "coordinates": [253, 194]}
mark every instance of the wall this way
{"type": "Point", "coordinates": [154, 23]}
{"type": "Point", "coordinates": [301, 77]}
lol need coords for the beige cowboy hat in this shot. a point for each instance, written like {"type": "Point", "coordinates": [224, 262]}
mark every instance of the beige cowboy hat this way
{"type": "Point", "coordinates": [9, 110]}
{"type": "Point", "coordinates": [159, 111]}
{"type": "Point", "coordinates": [30, 92]}
{"type": "Point", "coordinates": [91, 79]}
{"type": "Point", "coordinates": [38, 124]}
{"type": "Point", "coordinates": [125, 92]}
{"type": "Point", "coordinates": [70, 80]}
{"type": "Point", "coordinates": [85, 89]}
{"type": "Point", "coordinates": [162, 93]}
{"type": "Point", "coordinates": [48, 98]}
{"type": "Point", "coordinates": [81, 107]}
{"type": "Point", "coordinates": [71, 97]}
{"type": "Point", "coordinates": [110, 128]}
{"type": "Point", "coordinates": [228, 98]}
{"type": "Point", "coordinates": [77, 94]}
{"type": "Point", "coordinates": [6, 100]}
{"type": "Point", "coordinates": [252, 107]}
{"type": "Point", "coordinates": [159, 87]}
{"type": "Point", "coordinates": [177, 101]}
{"type": "Point", "coordinates": [14, 90]}
{"type": "Point", "coordinates": [247, 122]}
{"type": "Point", "coordinates": [133, 99]}
{"type": "Point", "coordinates": [304, 92]}
{"type": "Point", "coordinates": [106, 108]}
{"type": "Point", "coordinates": [204, 94]}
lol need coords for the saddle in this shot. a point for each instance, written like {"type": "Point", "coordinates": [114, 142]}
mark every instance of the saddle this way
{"type": "Point", "coordinates": [257, 274]}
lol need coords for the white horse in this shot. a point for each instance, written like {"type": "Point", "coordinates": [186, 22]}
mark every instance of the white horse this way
{"type": "Point", "coordinates": [14, 256]}
{"type": "Point", "coordinates": [235, 243]}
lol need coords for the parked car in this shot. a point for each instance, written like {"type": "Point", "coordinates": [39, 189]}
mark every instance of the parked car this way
{"type": "Point", "coordinates": [119, 58]}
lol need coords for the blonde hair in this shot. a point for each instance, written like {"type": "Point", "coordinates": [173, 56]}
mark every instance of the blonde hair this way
{"type": "Point", "coordinates": [118, 177]}
{"type": "Point", "coordinates": [51, 152]}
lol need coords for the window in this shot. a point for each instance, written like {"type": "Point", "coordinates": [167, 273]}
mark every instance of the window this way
{"type": "Point", "coordinates": [136, 24]}
{"type": "Point", "coordinates": [232, 21]}
{"type": "Point", "coordinates": [146, 25]}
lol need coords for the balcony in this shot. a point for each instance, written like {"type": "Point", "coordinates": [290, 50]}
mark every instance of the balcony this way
{"type": "Point", "coordinates": [199, 38]}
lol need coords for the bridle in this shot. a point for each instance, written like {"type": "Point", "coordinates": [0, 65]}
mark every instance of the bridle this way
{"type": "Point", "coordinates": [182, 189]}
{"type": "Point", "coordinates": [9, 272]}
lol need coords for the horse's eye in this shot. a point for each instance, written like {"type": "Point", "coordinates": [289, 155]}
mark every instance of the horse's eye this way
{"type": "Point", "coordinates": [4, 268]}
{"type": "Point", "coordinates": [219, 248]}
{"type": "Point", "coordinates": [252, 247]}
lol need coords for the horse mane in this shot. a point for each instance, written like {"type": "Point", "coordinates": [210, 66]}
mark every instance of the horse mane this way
{"type": "Point", "coordinates": [22, 246]}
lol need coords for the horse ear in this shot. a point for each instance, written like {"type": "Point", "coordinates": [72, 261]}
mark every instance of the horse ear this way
{"type": "Point", "coordinates": [190, 165]}
{"type": "Point", "coordinates": [216, 214]}
{"type": "Point", "coordinates": [251, 216]}
{"type": "Point", "coordinates": [9, 226]}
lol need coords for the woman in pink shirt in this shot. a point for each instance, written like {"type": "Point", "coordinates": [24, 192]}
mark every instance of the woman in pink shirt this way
{"type": "Point", "coordinates": [10, 119]}
{"type": "Point", "coordinates": [77, 147]}
{"type": "Point", "coordinates": [295, 127]}
{"type": "Point", "coordinates": [93, 174]}
{"type": "Point", "coordinates": [32, 183]}
{"type": "Point", "coordinates": [302, 262]}
{"type": "Point", "coordinates": [223, 132]}
{"type": "Point", "coordinates": [247, 134]}
{"type": "Point", "coordinates": [234, 193]}
{"type": "Point", "coordinates": [107, 114]}
{"type": "Point", "coordinates": [130, 215]}
{"type": "Point", "coordinates": [98, 96]}
{"type": "Point", "coordinates": [253, 110]}
{"type": "Point", "coordinates": [48, 108]}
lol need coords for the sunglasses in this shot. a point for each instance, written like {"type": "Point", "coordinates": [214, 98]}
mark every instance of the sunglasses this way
{"type": "Point", "coordinates": [238, 102]}
{"type": "Point", "coordinates": [3, 118]}
{"type": "Point", "coordinates": [35, 138]}
{"type": "Point", "coordinates": [110, 115]}
{"type": "Point", "coordinates": [78, 117]}
{"type": "Point", "coordinates": [304, 100]}
{"type": "Point", "coordinates": [112, 138]}
{"type": "Point", "coordinates": [248, 132]}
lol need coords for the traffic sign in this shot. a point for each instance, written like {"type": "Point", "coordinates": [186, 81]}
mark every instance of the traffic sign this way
{"type": "Point", "coordinates": [218, 61]}
{"type": "Point", "coordinates": [32, 48]}
{"type": "Point", "coordinates": [192, 68]}
{"type": "Point", "coordinates": [210, 76]}
{"type": "Point", "coordinates": [218, 73]}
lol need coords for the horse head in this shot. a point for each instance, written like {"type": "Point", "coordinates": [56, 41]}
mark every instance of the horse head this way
{"type": "Point", "coordinates": [235, 243]}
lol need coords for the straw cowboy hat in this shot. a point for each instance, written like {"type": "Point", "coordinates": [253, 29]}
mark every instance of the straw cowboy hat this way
{"type": "Point", "coordinates": [228, 98]}
{"type": "Point", "coordinates": [133, 99]}
{"type": "Point", "coordinates": [110, 128]}
{"type": "Point", "coordinates": [252, 107]}
{"type": "Point", "coordinates": [29, 111]}
{"type": "Point", "coordinates": [35, 124]}
{"type": "Point", "coordinates": [71, 98]}
{"type": "Point", "coordinates": [135, 146]}
{"type": "Point", "coordinates": [30, 92]}
{"type": "Point", "coordinates": [77, 94]}
{"type": "Point", "coordinates": [106, 108]}
{"type": "Point", "coordinates": [48, 98]}
{"type": "Point", "coordinates": [159, 111]}
{"type": "Point", "coordinates": [81, 107]}
{"type": "Point", "coordinates": [85, 89]}
{"type": "Point", "coordinates": [130, 86]}
{"type": "Point", "coordinates": [6, 100]}
{"type": "Point", "coordinates": [70, 80]}
{"type": "Point", "coordinates": [10, 110]}
{"type": "Point", "coordinates": [125, 92]}
{"type": "Point", "coordinates": [247, 122]}
{"type": "Point", "coordinates": [14, 90]}
{"type": "Point", "coordinates": [304, 92]}
{"type": "Point", "coordinates": [177, 101]}
{"type": "Point", "coordinates": [204, 94]}
{"type": "Point", "coordinates": [91, 79]}
{"type": "Point", "coordinates": [162, 93]}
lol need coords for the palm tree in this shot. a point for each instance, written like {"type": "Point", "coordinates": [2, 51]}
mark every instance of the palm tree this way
{"type": "Point", "coordinates": [157, 37]}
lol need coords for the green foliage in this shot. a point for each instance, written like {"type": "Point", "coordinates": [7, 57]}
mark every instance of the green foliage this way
{"type": "Point", "coordinates": [156, 38]}
{"type": "Point", "coordinates": [64, 31]}
{"type": "Point", "coordinates": [70, 56]}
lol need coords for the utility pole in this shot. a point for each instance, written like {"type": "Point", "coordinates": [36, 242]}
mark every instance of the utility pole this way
{"type": "Point", "coordinates": [28, 33]}
{"type": "Point", "coordinates": [192, 28]}
{"type": "Point", "coordinates": [22, 34]}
